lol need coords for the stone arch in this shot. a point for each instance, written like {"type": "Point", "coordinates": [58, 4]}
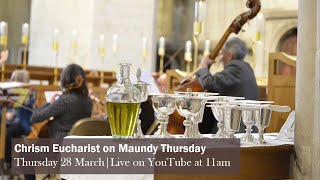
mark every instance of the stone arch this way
{"type": "Point", "coordinates": [280, 32]}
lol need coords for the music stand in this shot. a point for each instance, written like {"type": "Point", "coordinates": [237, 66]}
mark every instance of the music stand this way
{"type": "Point", "coordinates": [5, 99]}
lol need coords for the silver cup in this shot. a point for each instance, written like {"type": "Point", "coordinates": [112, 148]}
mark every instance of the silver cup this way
{"type": "Point", "coordinates": [248, 118]}
{"type": "Point", "coordinates": [204, 96]}
{"type": "Point", "coordinates": [232, 120]}
{"type": "Point", "coordinates": [262, 120]}
{"type": "Point", "coordinates": [263, 116]}
{"type": "Point", "coordinates": [218, 112]}
{"type": "Point", "coordinates": [189, 108]}
{"type": "Point", "coordinates": [163, 106]}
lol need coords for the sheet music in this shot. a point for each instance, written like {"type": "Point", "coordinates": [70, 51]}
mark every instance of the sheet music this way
{"type": "Point", "coordinates": [49, 94]}
{"type": "Point", "coordinates": [10, 85]}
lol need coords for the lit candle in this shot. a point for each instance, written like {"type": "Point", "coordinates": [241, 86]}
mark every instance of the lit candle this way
{"type": "Point", "coordinates": [74, 42]}
{"type": "Point", "coordinates": [56, 39]}
{"type": "Point", "coordinates": [115, 43]}
{"type": "Point", "coordinates": [207, 48]}
{"type": "Point", "coordinates": [162, 44]}
{"type": "Point", "coordinates": [258, 27]}
{"type": "Point", "coordinates": [199, 17]}
{"type": "Point", "coordinates": [3, 28]}
{"type": "Point", "coordinates": [3, 33]}
{"type": "Point", "coordinates": [101, 47]}
{"type": "Point", "coordinates": [187, 54]}
{"type": "Point", "coordinates": [144, 47]}
{"type": "Point", "coordinates": [25, 29]}
{"type": "Point", "coordinates": [200, 11]}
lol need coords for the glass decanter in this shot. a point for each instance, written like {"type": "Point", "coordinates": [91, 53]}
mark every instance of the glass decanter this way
{"type": "Point", "coordinates": [123, 104]}
{"type": "Point", "coordinates": [144, 88]}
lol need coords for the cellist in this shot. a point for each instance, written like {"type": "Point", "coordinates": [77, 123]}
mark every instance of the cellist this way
{"type": "Point", "coordinates": [236, 79]}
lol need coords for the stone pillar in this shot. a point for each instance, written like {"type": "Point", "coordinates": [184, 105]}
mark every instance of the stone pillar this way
{"type": "Point", "coordinates": [316, 127]}
{"type": "Point", "coordinates": [307, 132]}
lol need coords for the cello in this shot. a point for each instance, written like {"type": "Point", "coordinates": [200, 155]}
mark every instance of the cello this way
{"type": "Point", "coordinates": [175, 125]}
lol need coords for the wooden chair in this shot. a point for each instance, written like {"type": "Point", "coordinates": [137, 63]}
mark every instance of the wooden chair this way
{"type": "Point", "coordinates": [91, 127]}
{"type": "Point", "coordinates": [281, 86]}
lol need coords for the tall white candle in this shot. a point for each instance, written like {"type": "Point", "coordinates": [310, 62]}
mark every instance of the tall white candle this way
{"type": "Point", "coordinates": [25, 29]}
{"type": "Point", "coordinates": [200, 11]}
{"type": "Point", "coordinates": [207, 48]}
{"type": "Point", "coordinates": [144, 47]}
{"type": "Point", "coordinates": [25, 33]}
{"type": "Point", "coordinates": [144, 43]}
{"type": "Point", "coordinates": [162, 44]}
{"type": "Point", "coordinates": [74, 42]}
{"type": "Point", "coordinates": [187, 54]}
{"type": "Point", "coordinates": [101, 45]}
{"type": "Point", "coordinates": [101, 37]}
{"type": "Point", "coordinates": [115, 43]}
{"type": "Point", "coordinates": [56, 39]}
{"type": "Point", "coordinates": [3, 28]}
{"type": "Point", "coordinates": [258, 27]}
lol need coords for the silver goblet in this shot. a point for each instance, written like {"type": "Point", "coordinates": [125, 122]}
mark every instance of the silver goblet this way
{"type": "Point", "coordinates": [232, 119]}
{"type": "Point", "coordinates": [248, 118]}
{"type": "Point", "coordinates": [163, 105]}
{"type": "Point", "coordinates": [204, 96]}
{"type": "Point", "coordinates": [218, 112]}
{"type": "Point", "coordinates": [189, 108]}
{"type": "Point", "coordinates": [262, 118]}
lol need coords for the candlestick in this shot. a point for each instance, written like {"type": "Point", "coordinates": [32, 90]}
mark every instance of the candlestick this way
{"type": "Point", "coordinates": [56, 50]}
{"type": "Point", "coordinates": [25, 34]}
{"type": "Point", "coordinates": [161, 52]}
{"type": "Point", "coordinates": [102, 54]}
{"type": "Point", "coordinates": [144, 48]}
{"type": "Point", "coordinates": [195, 54]}
{"type": "Point", "coordinates": [258, 27]}
{"type": "Point", "coordinates": [4, 34]}
{"type": "Point", "coordinates": [257, 44]}
{"type": "Point", "coordinates": [199, 17]}
{"type": "Point", "coordinates": [101, 45]}
{"type": "Point", "coordinates": [3, 43]}
{"type": "Point", "coordinates": [115, 44]}
{"type": "Point", "coordinates": [187, 55]}
{"type": "Point", "coordinates": [198, 26]}
{"type": "Point", "coordinates": [55, 40]}
{"type": "Point", "coordinates": [74, 43]}
{"type": "Point", "coordinates": [25, 41]}
{"type": "Point", "coordinates": [206, 48]}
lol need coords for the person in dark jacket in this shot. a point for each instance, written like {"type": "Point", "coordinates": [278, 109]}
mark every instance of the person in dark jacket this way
{"type": "Point", "coordinates": [237, 78]}
{"type": "Point", "coordinates": [74, 104]}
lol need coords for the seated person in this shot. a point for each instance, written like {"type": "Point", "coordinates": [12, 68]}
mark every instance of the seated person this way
{"type": "Point", "coordinates": [74, 104]}
{"type": "Point", "coordinates": [236, 79]}
{"type": "Point", "coordinates": [18, 118]}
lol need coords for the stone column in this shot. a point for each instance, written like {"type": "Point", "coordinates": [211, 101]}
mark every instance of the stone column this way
{"type": "Point", "coordinates": [316, 127]}
{"type": "Point", "coordinates": [307, 132]}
